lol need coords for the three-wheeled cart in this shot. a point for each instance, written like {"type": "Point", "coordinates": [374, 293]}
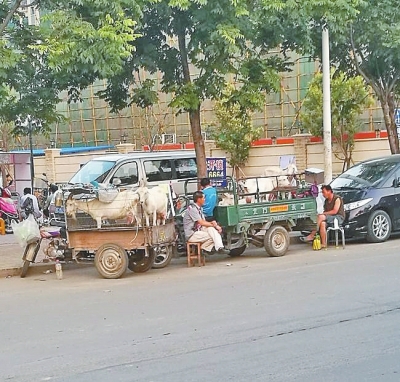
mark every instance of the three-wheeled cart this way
{"type": "Point", "coordinates": [265, 222]}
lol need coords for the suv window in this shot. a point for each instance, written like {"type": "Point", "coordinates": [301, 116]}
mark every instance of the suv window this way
{"type": "Point", "coordinates": [157, 170]}
{"type": "Point", "coordinates": [127, 173]}
{"type": "Point", "coordinates": [185, 168]}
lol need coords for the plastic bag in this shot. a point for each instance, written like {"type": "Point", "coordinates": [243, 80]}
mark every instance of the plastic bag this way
{"type": "Point", "coordinates": [26, 231]}
{"type": "Point", "coordinates": [316, 245]}
{"type": "Point", "coordinates": [107, 195]}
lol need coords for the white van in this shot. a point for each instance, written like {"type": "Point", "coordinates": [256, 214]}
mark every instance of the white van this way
{"type": "Point", "coordinates": [128, 170]}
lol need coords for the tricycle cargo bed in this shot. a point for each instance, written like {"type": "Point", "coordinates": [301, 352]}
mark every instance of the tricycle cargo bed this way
{"type": "Point", "coordinates": [276, 211]}
{"type": "Point", "coordinates": [129, 238]}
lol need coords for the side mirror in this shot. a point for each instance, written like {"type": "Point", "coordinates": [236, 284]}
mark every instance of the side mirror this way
{"type": "Point", "coordinates": [116, 181]}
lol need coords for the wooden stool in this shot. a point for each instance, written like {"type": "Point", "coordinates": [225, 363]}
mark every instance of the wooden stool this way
{"type": "Point", "coordinates": [194, 253]}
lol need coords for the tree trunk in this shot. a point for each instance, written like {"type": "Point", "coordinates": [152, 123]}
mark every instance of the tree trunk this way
{"type": "Point", "coordinates": [388, 108]}
{"type": "Point", "coordinates": [194, 115]}
{"type": "Point", "coordinates": [198, 143]}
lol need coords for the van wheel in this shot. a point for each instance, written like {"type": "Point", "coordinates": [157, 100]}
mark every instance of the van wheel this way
{"type": "Point", "coordinates": [237, 251]}
{"type": "Point", "coordinates": [379, 227]}
{"type": "Point", "coordinates": [163, 257]}
{"type": "Point", "coordinates": [276, 241]}
{"type": "Point", "coordinates": [140, 263]}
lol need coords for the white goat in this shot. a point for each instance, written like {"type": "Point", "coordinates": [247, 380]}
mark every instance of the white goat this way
{"type": "Point", "coordinates": [291, 169]}
{"type": "Point", "coordinates": [153, 201]}
{"type": "Point", "coordinates": [124, 203]}
{"type": "Point", "coordinates": [261, 185]}
{"type": "Point", "coordinates": [228, 200]}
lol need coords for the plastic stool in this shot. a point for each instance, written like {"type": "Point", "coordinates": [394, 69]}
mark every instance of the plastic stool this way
{"type": "Point", "coordinates": [194, 253]}
{"type": "Point", "coordinates": [336, 230]}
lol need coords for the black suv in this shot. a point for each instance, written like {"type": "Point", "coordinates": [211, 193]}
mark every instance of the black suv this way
{"type": "Point", "coordinates": [371, 196]}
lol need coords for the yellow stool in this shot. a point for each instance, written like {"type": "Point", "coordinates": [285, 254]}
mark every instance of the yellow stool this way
{"type": "Point", "coordinates": [2, 227]}
{"type": "Point", "coordinates": [194, 253]}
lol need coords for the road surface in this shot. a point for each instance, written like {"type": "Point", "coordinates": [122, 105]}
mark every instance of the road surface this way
{"type": "Point", "coordinates": [309, 316]}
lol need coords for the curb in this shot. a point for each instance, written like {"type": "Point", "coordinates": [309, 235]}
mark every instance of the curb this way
{"type": "Point", "coordinates": [12, 272]}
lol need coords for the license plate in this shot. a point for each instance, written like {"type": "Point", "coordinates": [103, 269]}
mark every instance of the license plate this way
{"type": "Point", "coordinates": [59, 210]}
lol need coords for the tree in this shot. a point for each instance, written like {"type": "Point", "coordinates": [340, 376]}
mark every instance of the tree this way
{"type": "Point", "coordinates": [77, 43]}
{"type": "Point", "coordinates": [365, 41]}
{"type": "Point", "coordinates": [216, 39]}
{"type": "Point", "coordinates": [349, 97]}
{"type": "Point", "coordinates": [235, 131]}
{"type": "Point", "coordinates": [373, 51]}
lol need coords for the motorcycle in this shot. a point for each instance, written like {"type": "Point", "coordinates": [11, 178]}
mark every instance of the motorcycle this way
{"type": "Point", "coordinates": [8, 208]}
{"type": "Point", "coordinates": [56, 248]}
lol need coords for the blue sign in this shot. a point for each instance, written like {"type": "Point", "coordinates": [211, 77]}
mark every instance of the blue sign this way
{"type": "Point", "coordinates": [397, 118]}
{"type": "Point", "coordinates": [216, 171]}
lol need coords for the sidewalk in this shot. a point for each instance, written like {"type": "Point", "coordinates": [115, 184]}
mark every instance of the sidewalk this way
{"type": "Point", "coordinates": [10, 256]}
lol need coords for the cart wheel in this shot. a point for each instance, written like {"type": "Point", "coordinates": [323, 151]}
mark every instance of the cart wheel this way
{"type": "Point", "coordinates": [237, 251]}
{"type": "Point", "coordinates": [31, 251]}
{"type": "Point", "coordinates": [276, 241]}
{"type": "Point", "coordinates": [111, 261]}
{"type": "Point", "coordinates": [139, 263]}
{"type": "Point", "coordinates": [163, 256]}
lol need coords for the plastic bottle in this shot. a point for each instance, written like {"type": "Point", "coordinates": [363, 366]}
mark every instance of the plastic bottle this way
{"type": "Point", "coordinates": [59, 271]}
{"type": "Point", "coordinates": [335, 224]}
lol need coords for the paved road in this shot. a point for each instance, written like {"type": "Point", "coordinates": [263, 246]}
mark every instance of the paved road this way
{"type": "Point", "coordinates": [326, 316]}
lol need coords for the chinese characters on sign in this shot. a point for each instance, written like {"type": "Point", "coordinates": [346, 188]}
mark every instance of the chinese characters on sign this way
{"type": "Point", "coordinates": [397, 120]}
{"type": "Point", "coordinates": [216, 171]}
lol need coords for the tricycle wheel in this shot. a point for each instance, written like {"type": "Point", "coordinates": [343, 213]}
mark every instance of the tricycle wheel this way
{"type": "Point", "coordinates": [163, 256]}
{"type": "Point", "coordinates": [140, 263]}
{"type": "Point", "coordinates": [276, 241]}
{"type": "Point", "coordinates": [237, 251]}
{"type": "Point", "coordinates": [111, 261]}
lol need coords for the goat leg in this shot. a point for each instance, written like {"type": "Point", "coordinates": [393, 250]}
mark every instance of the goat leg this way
{"type": "Point", "coordinates": [98, 220]}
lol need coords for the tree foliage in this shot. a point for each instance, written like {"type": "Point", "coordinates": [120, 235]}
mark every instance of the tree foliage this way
{"type": "Point", "coordinates": [372, 50]}
{"type": "Point", "coordinates": [235, 131]}
{"type": "Point", "coordinates": [349, 98]}
{"type": "Point", "coordinates": [77, 43]}
{"type": "Point", "coordinates": [212, 39]}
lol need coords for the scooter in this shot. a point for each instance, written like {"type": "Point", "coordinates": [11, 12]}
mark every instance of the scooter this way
{"type": "Point", "coordinates": [8, 208]}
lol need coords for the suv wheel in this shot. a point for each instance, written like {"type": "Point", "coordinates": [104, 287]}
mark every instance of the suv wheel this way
{"type": "Point", "coordinates": [379, 227]}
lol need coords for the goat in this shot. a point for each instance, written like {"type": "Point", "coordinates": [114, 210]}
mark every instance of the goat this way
{"type": "Point", "coordinates": [124, 204]}
{"type": "Point", "coordinates": [290, 170]}
{"type": "Point", "coordinates": [228, 200]}
{"type": "Point", "coordinates": [153, 201]}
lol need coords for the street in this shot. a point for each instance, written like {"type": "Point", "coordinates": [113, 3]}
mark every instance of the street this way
{"type": "Point", "coordinates": [308, 316]}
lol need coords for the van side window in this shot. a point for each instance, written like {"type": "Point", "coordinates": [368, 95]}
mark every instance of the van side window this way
{"type": "Point", "coordinates": [127, 174]}
{"type": "Point", "coordinates": [185, 168]}
{"type": "Point", "coordinates": [157, 170]}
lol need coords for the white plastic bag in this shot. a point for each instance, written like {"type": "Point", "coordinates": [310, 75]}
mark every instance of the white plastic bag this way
{"type": "Point", "coordinates": [26, 231]}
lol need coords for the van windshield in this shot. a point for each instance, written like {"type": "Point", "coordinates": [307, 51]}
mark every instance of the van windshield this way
{"type": "Point", "coordinates": [363, 175]}
{"type": "Point", "coordinates": [94, 170]}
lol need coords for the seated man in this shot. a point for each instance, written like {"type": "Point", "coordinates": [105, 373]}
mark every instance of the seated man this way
{"type": "Point", "coordinates": [210, 194]}
{"type": "Point", "coordinates": [333, 208]}
{"type": "Point", "coordinates": [199, 230]}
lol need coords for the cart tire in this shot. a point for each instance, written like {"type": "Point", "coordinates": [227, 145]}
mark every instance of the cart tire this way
{"type": "Point", "coordinates": [25, 268]}
{"type": "Point", "coordinates": [276, 241]}
{"type": "Point", "coordinates": [163, 256]}
{"type": "Point", "coordinates": [237, 251]}
{"type": "Point", "coordinates": [111, 261]}
{"type": "Point", "coordinates": [143, 263]}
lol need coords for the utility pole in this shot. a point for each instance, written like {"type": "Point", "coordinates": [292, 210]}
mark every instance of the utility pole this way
{"type": "Point", "coordinates": [326, 77]}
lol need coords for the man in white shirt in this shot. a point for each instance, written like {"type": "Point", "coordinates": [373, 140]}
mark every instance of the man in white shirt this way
{"type": "Point", "coordinates": [36, 212]}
